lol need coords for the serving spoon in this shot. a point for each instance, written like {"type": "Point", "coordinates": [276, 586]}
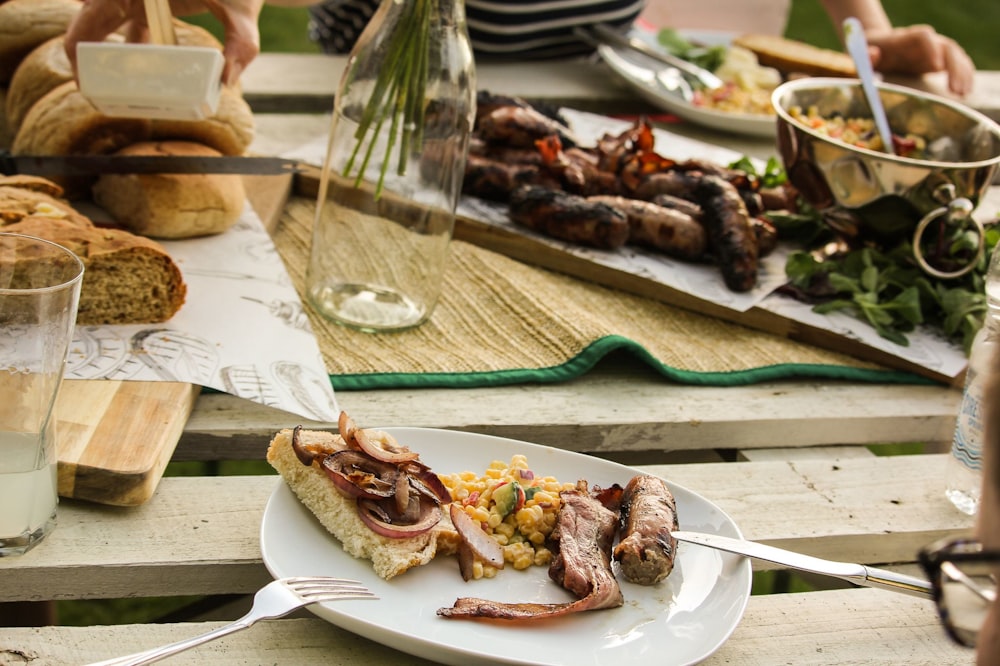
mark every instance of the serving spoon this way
{"type": "Point", "coordinates": [857, 47]}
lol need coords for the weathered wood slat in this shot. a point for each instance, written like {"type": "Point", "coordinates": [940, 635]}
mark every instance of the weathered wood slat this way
{"type": "Point", "coordinates": [834, 627]}
{"type": "Point", "coordinates": [620, 406]}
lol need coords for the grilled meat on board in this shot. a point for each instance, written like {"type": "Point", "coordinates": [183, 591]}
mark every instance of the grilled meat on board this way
{"type": "Point", "coordinates": [730, 234]}
{"type": "Point", "coordinates": [583, 535]}
{"type": "Point", "coordinates": [570, 217]}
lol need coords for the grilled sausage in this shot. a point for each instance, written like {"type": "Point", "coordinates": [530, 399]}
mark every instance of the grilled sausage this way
{"type": "Point", "coordinates": [670, 231]}
{"type": "Point", "coordinates": [683, 205]}
{"type": "Point", "coordinates": [646, 550]}
{"type": "Point", "coordinates": [730, 232]}
{"type": "Point", "coordinates": [569, 217]}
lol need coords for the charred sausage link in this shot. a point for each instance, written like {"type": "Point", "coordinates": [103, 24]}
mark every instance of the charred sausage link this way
{"type": "Point", "coordinates": [670, 231]}
{"type": "Point", "coordinates": [520, 126]}
{"type": "Point", "coordinates": [646, 549]}
{"type": "Point", "coordinates": [569, 217]}
{"type": "Point", "coordinates": [683, 205]}
{"type": "Point", "coordinates": [495, 180]}
{"type": "Point", "coordinates": [730, 233]}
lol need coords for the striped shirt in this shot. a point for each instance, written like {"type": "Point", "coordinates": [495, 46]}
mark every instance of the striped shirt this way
{"type": "Point", "coordinates": [508, 29]}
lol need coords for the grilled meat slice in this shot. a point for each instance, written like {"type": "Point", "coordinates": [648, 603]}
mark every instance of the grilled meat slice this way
{"type": "Point", "coordinates": [583, 534]}
{"type": "Point", "coordinates": [495, 180]}
{"type": "Point", "coordinates": [646, 549]}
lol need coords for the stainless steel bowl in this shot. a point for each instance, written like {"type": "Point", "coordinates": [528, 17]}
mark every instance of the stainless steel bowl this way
{"type": "Point", "coordinates": [892, 196]}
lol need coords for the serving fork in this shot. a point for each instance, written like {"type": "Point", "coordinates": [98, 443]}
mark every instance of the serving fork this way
{"type": "Point", "coordinates": [276, 599]}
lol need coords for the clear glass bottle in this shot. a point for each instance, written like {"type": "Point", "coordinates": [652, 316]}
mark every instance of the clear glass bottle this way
{"type": "Point", "coordinates": [964, 476]}
{"type": "Point", "coordinates": [393, 173]}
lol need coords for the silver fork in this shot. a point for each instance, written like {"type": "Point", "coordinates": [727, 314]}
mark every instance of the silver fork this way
{"type": "Point", "coordinates": [276, 599]}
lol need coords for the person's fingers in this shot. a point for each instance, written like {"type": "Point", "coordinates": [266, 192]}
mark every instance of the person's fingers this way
{"type": "Point", "coordinates": [242, 35]}
{"type": "Point", "coordinates": [960, 68]}
{"type": "Point", "coordinates": [96, 20]}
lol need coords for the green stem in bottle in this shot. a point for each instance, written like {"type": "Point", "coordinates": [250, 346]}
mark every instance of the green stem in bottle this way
{"type": "Point", "coordinates": [399, 91]}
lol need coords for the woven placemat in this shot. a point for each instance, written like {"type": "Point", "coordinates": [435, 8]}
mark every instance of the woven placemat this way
{"type": "Point", "coordinates": [500, 321]}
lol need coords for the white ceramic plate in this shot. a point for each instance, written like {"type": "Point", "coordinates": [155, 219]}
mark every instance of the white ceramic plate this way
{"type": "Point", "coordinates": [680, 621]}
{"type": "Point", "coordinates": [638, 72]}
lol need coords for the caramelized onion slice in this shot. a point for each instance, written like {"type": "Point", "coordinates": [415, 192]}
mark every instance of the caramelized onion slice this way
{"type": "Point", "coordinates": [379, 520]}
{"type": "Point", "coordinates": [382, 446]}
{"type": "Point", "coordinates": [481, 543]}
{"type": "Point", "coordinates": [427, 482]}
{"type": "Point", "coordinates": [357, 475]}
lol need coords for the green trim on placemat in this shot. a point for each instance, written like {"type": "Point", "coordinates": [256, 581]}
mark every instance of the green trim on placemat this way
{"type": "Point", "coordinates": [600, 348]}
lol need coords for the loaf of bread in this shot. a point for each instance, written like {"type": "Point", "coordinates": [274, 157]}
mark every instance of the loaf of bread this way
{"type": "Point", "coordinates": [339, 514]}
{"type": "Point", "coordinates": [127, 279]}
{"type": "Point", "coordinates": [24, 24]}
{"type": "Point", "coordinates": [790, 56]}
{"type": "Point", "coordinates": [171, 205]}
{"type": "Point", "coordinates": [30, 196]}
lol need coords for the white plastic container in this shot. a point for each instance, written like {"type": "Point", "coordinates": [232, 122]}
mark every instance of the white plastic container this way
{"type": "Point", "coordinates": [150, 80]}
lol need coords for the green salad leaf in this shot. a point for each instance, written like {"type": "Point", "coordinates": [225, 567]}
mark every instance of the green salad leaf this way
{"type": "Point", "coordinates": [706, 57]}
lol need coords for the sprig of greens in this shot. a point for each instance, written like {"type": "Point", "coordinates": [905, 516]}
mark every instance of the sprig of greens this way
{"type": "Point", "coordinates": [398, 95]}
{"type": "Point", "coordinates": [707, 57]}
{"type": "Point", "coordinates": [887, 289]}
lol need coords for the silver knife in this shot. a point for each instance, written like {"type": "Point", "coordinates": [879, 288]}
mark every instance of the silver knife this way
{"type": "Point", "coordinates": [90, 165]}
{"type": "Point", "coordinates": [858, 574]}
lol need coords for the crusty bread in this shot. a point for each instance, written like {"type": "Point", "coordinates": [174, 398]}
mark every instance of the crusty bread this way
{"type": "Point", "coordinates": [41, 70]}
{"type": "Point", "coordinates": [229, 131]}
{"type": "Point", "coordinates": [127, 279]}
{"type": "Point", "coordinates": [24, 24]}
{"type": "Point", "coordinates": [171, 205]}
{"type": "Point", "coordinates": [17, 203]}
{"type": "Point", "coordinates": [338, 514]}
{"type": "Point", "coordinates": [790, 56]}
{"type": "Point", "coordinates": [64, 122]}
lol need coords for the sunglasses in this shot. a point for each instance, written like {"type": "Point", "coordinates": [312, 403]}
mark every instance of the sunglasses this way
{"type": "Point", "coordinates": [965, 585]}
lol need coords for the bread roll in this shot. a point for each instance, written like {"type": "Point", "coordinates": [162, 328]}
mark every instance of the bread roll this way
{"type": "Point", "coordinates": [171, 205]}
{"type": "Point", "coordinates": [127, 279]}
{"type": "Point", "coordinates": [24, 24]}
{"type": "Point", "coordinates": [42, 70]}
{"type": "Point", "coordinates": [339, 515]}
{"type": "Point", "coordinates": [794, 57]}
{"type": "Point", "coordinates": [230, 130]}
{"type": "Point", "coordinates": [63, 122]}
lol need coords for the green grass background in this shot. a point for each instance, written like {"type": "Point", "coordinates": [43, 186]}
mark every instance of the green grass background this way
{"type": "Point", "coordinates": [971, 22]}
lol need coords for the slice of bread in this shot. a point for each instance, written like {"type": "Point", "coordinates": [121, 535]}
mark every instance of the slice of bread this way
{"type": "Point", "coordinates": [790, 56]}
{"type": "Point", "coordinates": [127, 279]}
{"type": "Point", "coordinates": [339, 515]}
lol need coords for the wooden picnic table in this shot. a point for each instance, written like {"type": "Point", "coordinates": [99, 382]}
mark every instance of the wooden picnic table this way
{"type": "Point", "coordinates": [795, 463]}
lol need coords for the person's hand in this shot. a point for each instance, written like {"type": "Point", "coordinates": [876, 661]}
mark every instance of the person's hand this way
{"type": "Point", "coordinates": [919, 49]}
{"type": "Point", "coordinates": [99, 18]}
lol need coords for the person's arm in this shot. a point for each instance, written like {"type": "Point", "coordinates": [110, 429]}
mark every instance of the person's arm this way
{"type": "Point", "coordinates": [915, 49]}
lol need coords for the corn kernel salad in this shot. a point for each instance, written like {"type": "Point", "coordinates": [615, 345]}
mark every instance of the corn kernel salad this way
{"type": "Point", "coordinates": [516, 507]}
{"type": "Point", "coordinates": [858, 132]}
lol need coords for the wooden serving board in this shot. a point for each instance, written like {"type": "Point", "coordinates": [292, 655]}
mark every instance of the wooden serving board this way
{"type": "Point", "coordinates": [116, 437]}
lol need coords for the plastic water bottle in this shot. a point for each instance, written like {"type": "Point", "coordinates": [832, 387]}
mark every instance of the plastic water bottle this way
{"type": "Point", "coordinates": [965, 470]}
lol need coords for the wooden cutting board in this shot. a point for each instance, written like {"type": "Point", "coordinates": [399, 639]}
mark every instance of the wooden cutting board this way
{"type": "Point", "coordinates": [116, 437]}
